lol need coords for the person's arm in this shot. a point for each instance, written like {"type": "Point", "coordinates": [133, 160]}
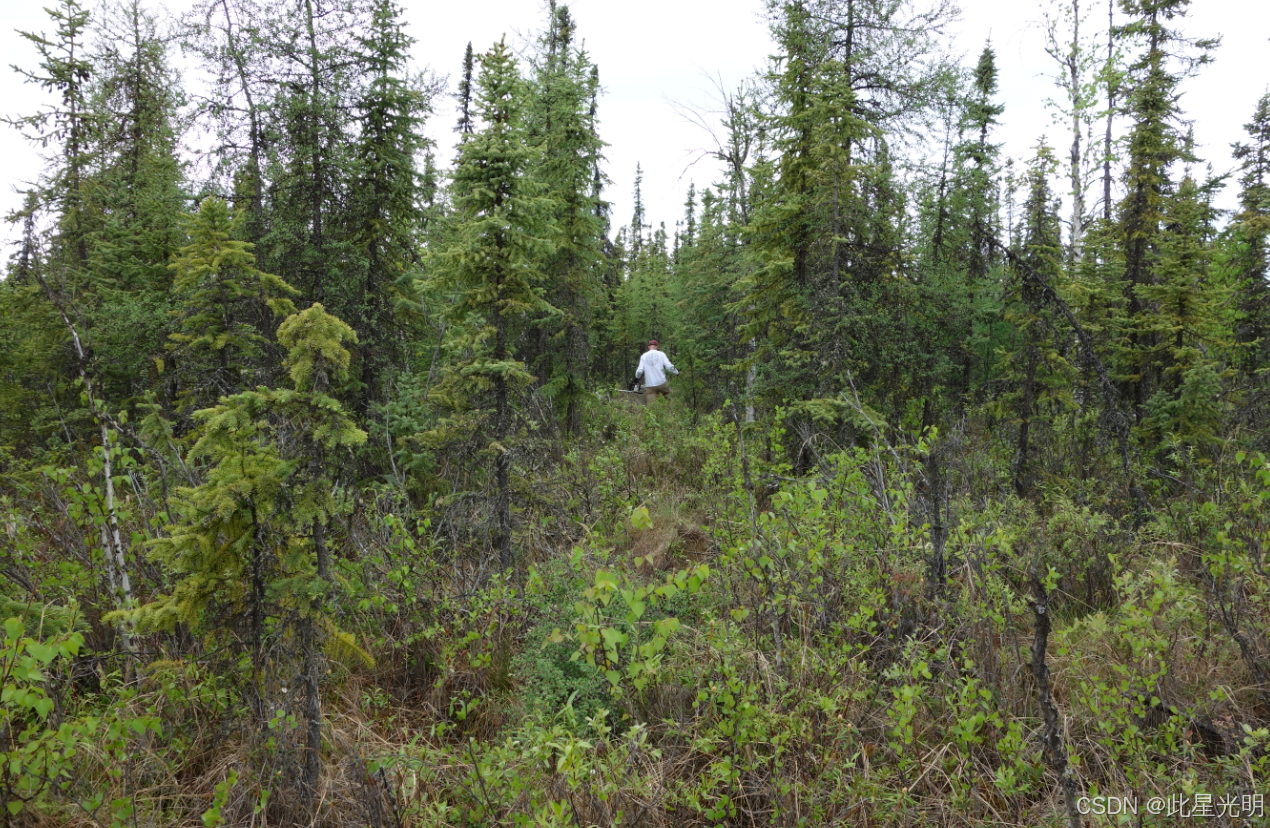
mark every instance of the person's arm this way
{"type": "Point", "coordinates": [639, 372]}
{"type": "Point", "coordinates": [669, 367]}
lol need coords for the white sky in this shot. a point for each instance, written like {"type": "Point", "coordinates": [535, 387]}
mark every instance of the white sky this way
{"type": "Point", "coordinates": [656, 52]}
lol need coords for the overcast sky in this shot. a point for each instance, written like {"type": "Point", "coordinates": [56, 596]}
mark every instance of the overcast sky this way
{"type": "Point", "coordinates": [657, 52]}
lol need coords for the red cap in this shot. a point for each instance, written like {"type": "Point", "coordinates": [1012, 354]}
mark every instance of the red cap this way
{"type": "Point", "coordinates": [652, 342]}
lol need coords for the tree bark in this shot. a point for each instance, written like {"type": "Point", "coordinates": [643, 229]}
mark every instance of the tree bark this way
{"type": "Point", "coordinates": [111, 535]}
{"type": "Point", "coordinates": [1111, 108]}
{"type": "Point", "coordinates": [1077, 171]}
{"type": "Point", "coordinates": [1022, 464]}
{"type": "Point", "coordinates": [1052, 737]}
{"type": "Point", "coordinates": [253, 118]}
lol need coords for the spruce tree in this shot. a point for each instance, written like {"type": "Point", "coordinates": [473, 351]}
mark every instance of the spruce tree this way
{"type": "Point", "coordinates": [646, 308]}
{"type": "Point", "coordinates": [248, 552]}
{"type": "Point", "coordinates": [704, 291]}
{"type": "Point", "coordinates": [690, 217]}
{"type": "Point", "coordinates": [974, 228]}
{"type": "Point", "coordinates": [225, 306]}
{"type": "Point", "coordinates": [229, 39]}
{"type": "Point", "coordinates": [811, 229]}
{"type": "Point", "coordinates": [492, 263]}
{"type": "Point", "coordinates": [1187, 325]}
{"type": "Point", "coordinates": [464, 95]}
{"type": "Point", "coordinates": [1154, 146]}
{"type": "Point", "coordinates": [320, 67]}
{"type": "Point", "coordinates": [65, 70]}
{"type": "Point", "coordinates": [639, 221]}
{"type": "Point", "coordinates": [137, 190]}
{"type": "Point", "coordinates": [562, 124]}
{"type": "Point", "coordinates": [384, 213]}
{"type": "Point", "coordinates": [1036, 366]}
{"type": "Point", "coordinates": [1252, 238]}
{"type": "Point", "coordinates": [778, 294]}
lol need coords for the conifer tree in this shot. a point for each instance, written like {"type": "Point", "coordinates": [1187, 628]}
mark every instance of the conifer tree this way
{"type": "Point", "coordinates": [646, 309]}
{"type": "Point", "coordinates": [464, 94]}
{"type": "Point", "coordinates": [229, 40]}
{"type": "Point", "coordinates": [779, 290]}
{"type": "Point", "coordinates": [562, 124]}
{"type": "Point", "coordinates": [137, 190]}
{"type": "Point", "coordinates": [320, 70]}
{"type": "Point", "coordinates": [1037, 366]}
{"type": "Point", "coordinates": [1252, 237]}
{"type": "Point", "coordinates": [704, 293]}
{"type": "Point", "coordinates": [248, 552]}
{"type": "Point", "coordinates": [137, 185]}
{"type": "Point", "coordinates": [65, 70]}
{"type": "Point", "coordinates": [974, 207]}
{"type": "Point", "coordinates": [690, 217]}
{"type": "Point", "coordinates": [225, 307]}
{"type": "Point", "coordinates": [492, 264]}
{"type": "Point", "coordinates": [810, 222]}
{"type": "Point", "coordinates": [1154, 146]}
{"type": "Point", "coordinates": [384, 212]}
{"type": "Point", "coordinates": [1187, 325]}
{"type": "Point", "coordinates": [639, 221]}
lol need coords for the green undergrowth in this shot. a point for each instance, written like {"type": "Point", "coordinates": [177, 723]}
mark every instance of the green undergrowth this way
{"type": "Point", "coordinates": [712, 640]}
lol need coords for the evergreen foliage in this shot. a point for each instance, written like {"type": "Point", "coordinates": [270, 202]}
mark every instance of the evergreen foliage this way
{"type": "Point", "coordinates": [492, 263]}
{"type": "Point", "coordinates": [324, 499]}
{"type": "Point", "coordinates": [1154, 146]}
{"type": "Point", "coordinates": [794, 299]}
{"type": "Point", "coordinates": [1251, 234]}
{"type": "Point", "coordinates": [562, 124]}
{"type": "Point", "coordinates": [385, 213]}
{"type": "Point", "coordinates": [225, 307]}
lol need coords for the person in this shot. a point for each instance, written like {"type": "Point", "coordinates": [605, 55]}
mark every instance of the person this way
{"type": "Point", "coordinates": [653, 366]}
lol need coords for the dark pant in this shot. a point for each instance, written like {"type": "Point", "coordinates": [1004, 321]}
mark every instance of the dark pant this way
{"type": "Point", "coordinates": [652, 392]}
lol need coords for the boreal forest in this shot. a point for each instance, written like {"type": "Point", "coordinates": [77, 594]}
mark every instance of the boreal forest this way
{"type": "Point", "coordinates": [326, 498]}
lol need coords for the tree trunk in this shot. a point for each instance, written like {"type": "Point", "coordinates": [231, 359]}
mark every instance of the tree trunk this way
{"type": "Point", "coordinates": [253, 118]}
{"type": "Point", "coordinates": [1022, 470]}
{"type": "Point", "coordinates": [312, 767]}
{"type": "Point", "coordinates": [502, 461]}
{"type": "Point", "coordinates": [313, 675]}
{"type": "Point", "coordinates": [1052, 737]}
{"type": "Point", "coordinates": [315, 151]}
{"type": "Point", "coordinates": [1077, 164]}
{"type": "Point", "coordinates": [111, 535]}
{"type": "Point", "coordinates": [1111, 108]}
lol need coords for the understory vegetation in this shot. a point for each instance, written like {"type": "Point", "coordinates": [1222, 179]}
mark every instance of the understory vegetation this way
{"type": "Point", "coordinates": [320, 505]}
{"type": "Point", "coordinates": [691, 636]}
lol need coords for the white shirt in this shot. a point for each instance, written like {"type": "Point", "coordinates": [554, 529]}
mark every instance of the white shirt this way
{"type": "Point", "coordinates": [653, 366]}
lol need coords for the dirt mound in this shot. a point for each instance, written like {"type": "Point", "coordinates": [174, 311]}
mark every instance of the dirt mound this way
{"type": "Point", "coordinates": [672, 546]}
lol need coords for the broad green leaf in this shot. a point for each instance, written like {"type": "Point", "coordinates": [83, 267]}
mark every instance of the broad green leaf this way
{"type": "Point", "coordinates": [640, 519]}
{"type": "Point", "coordinates": [44, 653]}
